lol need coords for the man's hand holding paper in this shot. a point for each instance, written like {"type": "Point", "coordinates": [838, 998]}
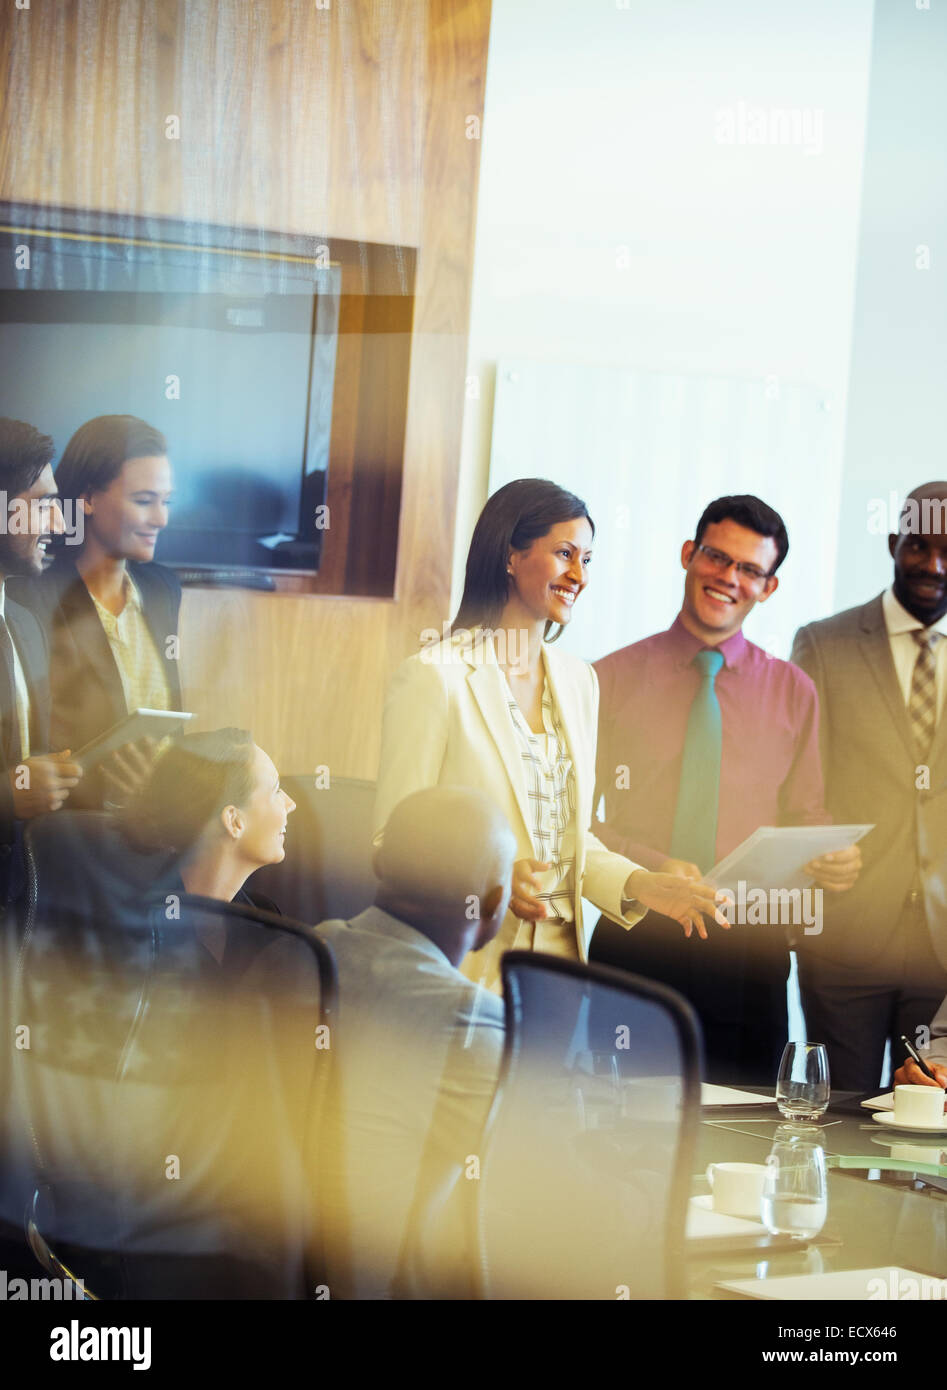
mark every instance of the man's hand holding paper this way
{"type": "Point", "coordinates": [838, 871]}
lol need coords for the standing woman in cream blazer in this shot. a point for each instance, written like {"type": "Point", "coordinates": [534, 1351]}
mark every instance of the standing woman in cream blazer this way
{"type": "Point", "coordinates": [496, 707]}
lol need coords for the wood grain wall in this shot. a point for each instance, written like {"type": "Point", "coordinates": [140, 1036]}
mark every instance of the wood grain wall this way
{"type": "Point", "coordinates": [349, 121]}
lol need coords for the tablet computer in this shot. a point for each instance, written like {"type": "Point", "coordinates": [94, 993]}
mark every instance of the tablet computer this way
{"type": "Point", "coordinates": [141, 723]}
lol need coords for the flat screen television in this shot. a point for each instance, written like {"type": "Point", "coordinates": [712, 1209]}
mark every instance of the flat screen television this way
{"type": "Point", "coordinates": [224, 339]}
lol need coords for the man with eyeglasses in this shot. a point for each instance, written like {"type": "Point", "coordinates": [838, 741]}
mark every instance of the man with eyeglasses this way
{"type": "Point", "coordinates": [703, 738]}
{"type": "Point", "coordinates": [879, 968]}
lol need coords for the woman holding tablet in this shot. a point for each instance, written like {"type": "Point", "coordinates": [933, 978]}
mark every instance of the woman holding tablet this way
{"type": "Point", "coordinates": [111, 613]}
{"type": "Point", "coordinates": [497, 707]}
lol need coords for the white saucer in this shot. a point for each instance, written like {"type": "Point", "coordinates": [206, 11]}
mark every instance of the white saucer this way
{"type": "Point", "coordinates": [933, 1153]}
{"type": "Point", "coordinates": [887, 1119]}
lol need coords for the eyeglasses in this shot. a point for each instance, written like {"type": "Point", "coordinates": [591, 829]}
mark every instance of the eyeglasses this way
{"type": "Point", "coordinates": [722, 561]}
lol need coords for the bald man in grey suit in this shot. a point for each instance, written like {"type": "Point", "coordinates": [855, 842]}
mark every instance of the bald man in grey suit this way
{"type": "Point", "coordinates": [879, 967]}
{"type": "Point", "coordinates": [418, 1048]}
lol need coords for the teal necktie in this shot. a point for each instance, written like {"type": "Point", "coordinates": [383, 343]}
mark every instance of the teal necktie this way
{"type": "Point", "coordinates": [698, 791]}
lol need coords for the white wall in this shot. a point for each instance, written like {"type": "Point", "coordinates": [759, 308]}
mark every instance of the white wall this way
{"type": "Point", "coordinates": [616, 228]}
{"type": "Point", "coordinates": [641, 448]}
{"type": "Point", "coordinates": [896, 434]}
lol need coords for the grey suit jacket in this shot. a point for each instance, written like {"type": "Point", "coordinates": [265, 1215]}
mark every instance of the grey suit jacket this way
{"type": "Point", "coordinates": [872, 774]}
{"type": "Point", "coordinates": [418, 1048]}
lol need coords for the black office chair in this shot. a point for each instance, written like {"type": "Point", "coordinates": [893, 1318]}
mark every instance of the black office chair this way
{"type": "Point", "coordinates": [327, 872]}
{"type": "Point", "coordinates": [589, 1149]}
{"type": "Point", "coordinates": [43, 1215]}
{"type": "Point", "coordinates": [174, 1071]}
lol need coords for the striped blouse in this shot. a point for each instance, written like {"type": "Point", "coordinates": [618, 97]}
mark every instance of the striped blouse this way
{"type": "Point", "coordinates": [550, 784]}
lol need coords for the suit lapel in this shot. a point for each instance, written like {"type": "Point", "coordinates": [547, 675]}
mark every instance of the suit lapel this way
{"type": "Point", "coordinates": [488, 689]}
{"type": "Point", "coordinates": [31, 650]}
{"type": "Point", "coordinates": [77, 612]}
{"type": "Point", "coordinates": [875, 647]}
{"type": "Point", "coordinates": [9, 735]}
{"type": "Point", "coordinates": [938, 743]}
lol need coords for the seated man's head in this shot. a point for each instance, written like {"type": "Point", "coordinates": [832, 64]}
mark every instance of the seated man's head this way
{"type": "Point", "coordinates": [446, 866]}
{"type": "Point", "coordinates": [215, 801]}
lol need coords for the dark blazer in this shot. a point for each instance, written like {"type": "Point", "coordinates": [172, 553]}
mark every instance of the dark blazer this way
{"type": "Point", "coordinates": [870, 767]}
{"type": "Point", "coordinates": [30, 643]}
{"type": "Point", "coordinates": [85, 682]}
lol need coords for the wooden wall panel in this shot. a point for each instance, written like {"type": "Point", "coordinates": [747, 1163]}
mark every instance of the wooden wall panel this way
{"type": "Point", "coordinates": [292, 117]}
{"type": "Point", "coordinates": [305, 673]}
{"type": "Point", "coordinates": [348, 122]}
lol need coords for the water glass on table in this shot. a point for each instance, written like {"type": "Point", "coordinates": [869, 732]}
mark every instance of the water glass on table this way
{"type": "Point", "coordinates": [802, 1087]}
{"type": "Point", "coordinates": [794, 1201]}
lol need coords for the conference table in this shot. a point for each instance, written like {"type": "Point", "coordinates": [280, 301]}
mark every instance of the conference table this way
{"type": "Point", "coordinates": [887, 1199]}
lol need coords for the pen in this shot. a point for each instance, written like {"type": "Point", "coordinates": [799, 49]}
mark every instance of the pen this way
{"type": "Point", "coordinates": [913, 1052]}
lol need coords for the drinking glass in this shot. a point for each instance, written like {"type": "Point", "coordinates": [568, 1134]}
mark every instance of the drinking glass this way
{"type": "Point", "coordinates": [794, 1199]}
{"type": "Point", "coordinates": [802, 1087]}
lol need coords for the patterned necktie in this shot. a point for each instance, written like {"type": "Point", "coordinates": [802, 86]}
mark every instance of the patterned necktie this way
{"type": "Point", "coordinates": [698, 793]}
{"type": "Point", "coordinates": [922, 706]}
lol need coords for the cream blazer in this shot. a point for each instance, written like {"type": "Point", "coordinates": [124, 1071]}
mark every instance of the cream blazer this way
{"type": "Point", "coordinates": [446, 722]}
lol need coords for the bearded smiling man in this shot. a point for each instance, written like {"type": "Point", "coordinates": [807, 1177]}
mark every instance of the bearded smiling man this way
{"type": "Point", "coordinates": [879, 968]}
{"type": "Point", "coordinates": [32, 781]}
{"type": "Point", "coordinates": [717, 738]}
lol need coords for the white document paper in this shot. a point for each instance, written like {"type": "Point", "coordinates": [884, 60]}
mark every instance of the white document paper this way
{"type": "Point", "coordinates": [774, 855]}
{"type": "Point", "coordinates": [888, 1281]}
{"type": "Point", "coordinates": [727, 1095]}
{"type": "Point", "coordinates": [885, 1102]}
{"type": "Point", "coordinates": [703, 1223]}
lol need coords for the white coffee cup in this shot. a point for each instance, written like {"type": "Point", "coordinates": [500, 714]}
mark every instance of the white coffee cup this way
{"type": "Point", "coordinates": [919, 1105]}
{"type": "Point", "coordinates": [737, 1188]}
{"type": "Point", "coordinates": [920, 1153]}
